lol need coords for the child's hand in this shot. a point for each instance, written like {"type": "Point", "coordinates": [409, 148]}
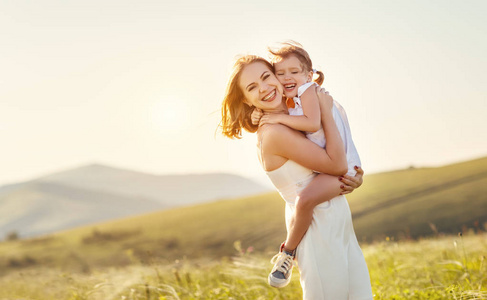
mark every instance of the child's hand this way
{"type": "Point", "coordinates": [256, 115]}
{"type": "Point", "coordinates": [269, 119]}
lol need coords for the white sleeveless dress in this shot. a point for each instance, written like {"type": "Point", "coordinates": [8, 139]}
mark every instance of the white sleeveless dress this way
{"type": "Point", "coordinates": [330, 261]}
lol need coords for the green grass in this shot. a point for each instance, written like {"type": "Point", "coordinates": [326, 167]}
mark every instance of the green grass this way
{"type": "Point", "coordinates": [450, 267]}
{"type": "Point", "coordinates": [408, 203]}
{"type": "Point", "coordinates": [207, 230]}
{"type": "Point", "coordinates": [135, 257]}
{"type": "Point", "coordinates": [389, 185]}
{"type": "Point", "coordinates": [447, 209]}
{"type": "Point", "coordinates": [401, 204]}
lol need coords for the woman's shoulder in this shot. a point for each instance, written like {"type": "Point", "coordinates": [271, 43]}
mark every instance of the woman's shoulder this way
{"type": "Point", "coordinates": [275, 134]}
{"type": "Point", "coordinates": [273, 130]}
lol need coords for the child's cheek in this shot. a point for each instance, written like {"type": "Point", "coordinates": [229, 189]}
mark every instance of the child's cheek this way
{"type": "Point", "coordinates": [301, 80]}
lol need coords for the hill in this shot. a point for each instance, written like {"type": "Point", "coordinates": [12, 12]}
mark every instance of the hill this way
{"type": "Point", "coordinates": [169, 190]}
{"type": "Point", "coordinates": [98, 193]}
{"type": "Point", "coordinates": [422, 201]}
{"type": "Point", "coordinates": [397, 204]}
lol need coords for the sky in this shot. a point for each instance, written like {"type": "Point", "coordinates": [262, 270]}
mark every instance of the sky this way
{"type": "Point", "coordinates": [139, 84]}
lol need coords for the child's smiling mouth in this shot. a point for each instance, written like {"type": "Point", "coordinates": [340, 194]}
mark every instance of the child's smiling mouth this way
{"type": "Point", "coordinates": [289, 87]}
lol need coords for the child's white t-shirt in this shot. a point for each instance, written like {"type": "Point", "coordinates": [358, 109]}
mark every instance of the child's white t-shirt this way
{"type": "Point", "coordinates": [341, 120]}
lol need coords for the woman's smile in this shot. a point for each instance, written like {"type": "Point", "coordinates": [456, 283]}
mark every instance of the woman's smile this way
{"type": "Point", "coordinates": [271, 96]}
{"type": "Point", "coordinates": [261, 87]}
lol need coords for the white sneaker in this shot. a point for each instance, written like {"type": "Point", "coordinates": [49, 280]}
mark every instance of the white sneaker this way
{"type": "Point", "coordinates": [280, 275]}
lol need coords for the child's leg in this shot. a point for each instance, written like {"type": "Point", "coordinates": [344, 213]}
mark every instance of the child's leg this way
{"type": "Point", "coordinates": [322, 188]}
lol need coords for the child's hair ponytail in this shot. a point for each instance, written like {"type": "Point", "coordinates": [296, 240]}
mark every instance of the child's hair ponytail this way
{"type": "Point", "coordinates": [321, 77]}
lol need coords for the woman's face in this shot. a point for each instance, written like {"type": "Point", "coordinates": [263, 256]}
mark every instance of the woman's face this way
{"type": "Point", "coordinates": [261, 87]}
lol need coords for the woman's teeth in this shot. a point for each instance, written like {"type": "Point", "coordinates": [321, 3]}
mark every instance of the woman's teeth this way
{"type": "Point", "coordinates": [270, 95]}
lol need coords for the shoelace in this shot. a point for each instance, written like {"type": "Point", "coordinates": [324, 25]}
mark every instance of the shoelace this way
{"type": "Point", "coordinates": [283, 262]}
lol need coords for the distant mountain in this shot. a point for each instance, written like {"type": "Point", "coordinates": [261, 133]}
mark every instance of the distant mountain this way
{"type": "Point", "coordinates": [97, 193]}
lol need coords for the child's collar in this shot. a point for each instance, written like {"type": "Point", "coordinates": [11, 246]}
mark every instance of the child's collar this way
{"type": "Point", "coordinates": [290, 103]}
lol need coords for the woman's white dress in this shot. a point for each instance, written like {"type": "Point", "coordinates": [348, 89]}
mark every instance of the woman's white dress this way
{"type": "Point", "coordinates": [330, 261]}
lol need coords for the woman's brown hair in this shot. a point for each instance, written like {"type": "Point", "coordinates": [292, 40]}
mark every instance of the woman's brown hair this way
{"type": "Point", "coordinates": [294, 48]}
{"type": "Point", "coordinates": [235, 113]}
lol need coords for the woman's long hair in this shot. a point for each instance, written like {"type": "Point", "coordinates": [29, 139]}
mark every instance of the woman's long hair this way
{"type": "Point", "coordinates": [235, 113]}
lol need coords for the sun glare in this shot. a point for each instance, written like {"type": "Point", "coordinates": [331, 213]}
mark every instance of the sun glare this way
{"type": "Point", "coordinates": [170, 116]}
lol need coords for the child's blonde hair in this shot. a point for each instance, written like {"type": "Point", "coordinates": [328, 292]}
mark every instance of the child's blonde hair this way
{"type": "Point", "coordinates": [290, 48]}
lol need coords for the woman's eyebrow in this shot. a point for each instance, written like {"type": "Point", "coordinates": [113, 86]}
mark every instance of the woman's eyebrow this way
{"type": "Point", "coordinates": [254, 82]}
{"type": "Point", "coordinates": [247, 87]}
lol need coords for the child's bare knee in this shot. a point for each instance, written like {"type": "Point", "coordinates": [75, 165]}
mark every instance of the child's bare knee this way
{"type": "Point", "coordinates": [304, 203]}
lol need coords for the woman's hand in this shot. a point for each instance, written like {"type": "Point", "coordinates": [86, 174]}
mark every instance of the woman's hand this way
{"type": "Point", "coordinates": [322, 90]}
{"type": "Point", "coordinates": [350, 183]}
{"type": "Point", "coordinates": [326, 101]}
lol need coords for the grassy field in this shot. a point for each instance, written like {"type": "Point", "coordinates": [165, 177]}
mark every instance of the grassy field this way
{"type": "Point", "coordinates": [119, 255]}
{"type": "Point", "coordinates": [451, 267]}
{"type": "Point", "coordinates": [201, 231]}
{"type": "Point", "coordinates": [426, 202]}
{"type": "Point", "coordinates": [408, 203]}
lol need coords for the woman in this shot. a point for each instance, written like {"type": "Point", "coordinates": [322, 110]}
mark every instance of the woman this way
{"type": "Point", "coordinates": [330, 261]}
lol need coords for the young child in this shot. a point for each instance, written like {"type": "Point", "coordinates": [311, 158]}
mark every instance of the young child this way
{"type": "Point", "coordinates": [294, 70]}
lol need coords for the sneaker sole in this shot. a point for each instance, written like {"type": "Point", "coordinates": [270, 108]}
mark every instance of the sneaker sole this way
{"type": "Point", "coordinates": [276, 282]}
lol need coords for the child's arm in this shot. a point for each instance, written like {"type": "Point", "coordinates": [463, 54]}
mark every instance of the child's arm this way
{"type": "Point", "coordinates": [310, 120]}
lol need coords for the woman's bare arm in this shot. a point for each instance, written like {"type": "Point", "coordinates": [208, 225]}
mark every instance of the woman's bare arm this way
{"type": "Point", "coordinates": [334, 144]}
{"type": "Point", "coordinates": [283, 141]}
{"type": "Point", "coordinates": [291, 144]}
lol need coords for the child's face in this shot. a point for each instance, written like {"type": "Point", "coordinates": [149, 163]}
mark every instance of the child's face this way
{"type": "Point", "coordinates": [291, 74]}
